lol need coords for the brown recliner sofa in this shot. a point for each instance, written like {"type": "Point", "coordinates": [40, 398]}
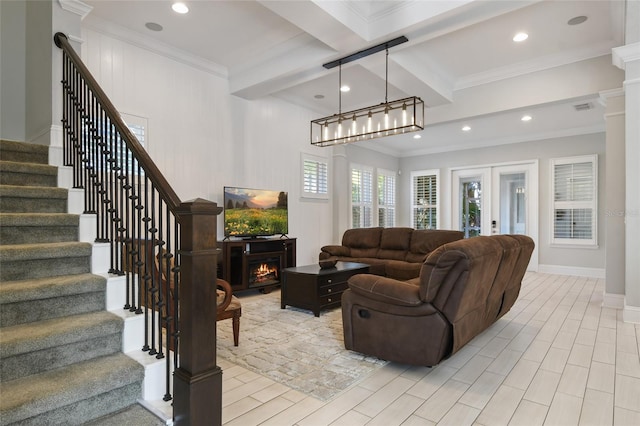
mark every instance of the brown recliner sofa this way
{"type": "Point", "coordinates": [464, 287]}
{"type": "Point", "coordinates": [391, 252]}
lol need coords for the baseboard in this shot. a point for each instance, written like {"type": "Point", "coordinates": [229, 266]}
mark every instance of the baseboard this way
{"type": "Point", "coordinates": [572, 270]}
{"type": "Point", "coordinates": [611, 300]}
{"type": "Point", "coordinates": [631, 314]}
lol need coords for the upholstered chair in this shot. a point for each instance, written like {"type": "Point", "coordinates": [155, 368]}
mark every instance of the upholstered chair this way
{"type": "Point", "coordinates": [227, 305]}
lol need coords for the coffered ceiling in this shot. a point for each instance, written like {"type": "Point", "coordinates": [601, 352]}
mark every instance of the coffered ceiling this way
{"type": "Point", "coordinates": [460, 58]}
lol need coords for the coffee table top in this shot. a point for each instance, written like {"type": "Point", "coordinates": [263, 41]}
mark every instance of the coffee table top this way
{"type": "Point", "coordinates": [316, 270]}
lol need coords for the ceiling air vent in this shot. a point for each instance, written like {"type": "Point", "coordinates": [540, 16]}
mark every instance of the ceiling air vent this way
{"type": "Point", "coordinates": [583, 107]}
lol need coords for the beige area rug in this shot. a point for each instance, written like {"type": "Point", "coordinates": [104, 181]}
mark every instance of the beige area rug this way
{"type": "Point", "coordinates": [293, 347]}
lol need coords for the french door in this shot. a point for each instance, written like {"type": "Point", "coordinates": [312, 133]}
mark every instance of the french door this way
{"type": "Point", "coordinates": [500, 199]}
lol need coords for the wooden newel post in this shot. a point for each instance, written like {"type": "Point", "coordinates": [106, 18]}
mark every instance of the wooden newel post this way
{"type": "Point", "coordinates": [197, 380]}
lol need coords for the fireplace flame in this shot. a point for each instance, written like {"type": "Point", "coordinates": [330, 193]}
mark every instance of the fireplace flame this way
{"type": "Point", "coordinates": [265, 272]}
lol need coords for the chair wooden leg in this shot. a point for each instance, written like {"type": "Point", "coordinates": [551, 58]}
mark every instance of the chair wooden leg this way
{"type": "Point", "coordinates": [236, 328]}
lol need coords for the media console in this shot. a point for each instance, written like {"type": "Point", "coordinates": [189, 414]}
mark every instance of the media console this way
{"type": "Point", "coordinates": [256, 263]}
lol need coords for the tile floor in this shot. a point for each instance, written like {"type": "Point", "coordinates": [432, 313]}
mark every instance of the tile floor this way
{"type": "Point", "coordinates": [557, 358]}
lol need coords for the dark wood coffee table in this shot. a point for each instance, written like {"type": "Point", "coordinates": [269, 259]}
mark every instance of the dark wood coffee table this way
{"type": "Point", "coordinates": [313, 288]}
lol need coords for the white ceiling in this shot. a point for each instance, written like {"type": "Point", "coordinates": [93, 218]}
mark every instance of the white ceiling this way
{"type": "Point", "coordinates": [460, 58]}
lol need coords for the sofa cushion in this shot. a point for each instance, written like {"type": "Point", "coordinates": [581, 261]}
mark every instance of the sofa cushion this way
{"type": "Point", "coordinates": [376, 266]}
{"type": "Point", "coordinates": [401, 270]}
{"type": "Point", "coordinates": [394, 243]}
{"type": "Point", "coordinates": [386, 290]}
{"type": "Point", "coordinates": [424, 241]}
{"type": "Point", "coordinates": [362, 238]}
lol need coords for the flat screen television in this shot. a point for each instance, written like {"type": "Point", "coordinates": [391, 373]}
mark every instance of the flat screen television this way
{"type": "Point", "coordinates": [252, 213]}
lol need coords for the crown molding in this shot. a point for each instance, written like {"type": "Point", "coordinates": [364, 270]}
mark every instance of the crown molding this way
{"type": "Point", "coordinates": [624, 54]}
{"type": "Point", "coordinates": [529, 67]}
{"type": "Point", "coordinates": [605, 95]}
{"type": "Point", "coordinates": [76, 6]}
{"type": "Point", "coordinates": [139, 40]}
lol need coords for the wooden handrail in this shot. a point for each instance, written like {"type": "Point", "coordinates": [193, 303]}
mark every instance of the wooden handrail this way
{"type": "Point", "coordinates": [143, 158]}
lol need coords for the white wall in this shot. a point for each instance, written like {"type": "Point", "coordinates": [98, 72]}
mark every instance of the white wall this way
{"type": "Point", "coordinates": [12, 70]}
{"type": "Point", "coordinates": [581, 259]}
{"type": "Point", "coordinates": [202, 138]}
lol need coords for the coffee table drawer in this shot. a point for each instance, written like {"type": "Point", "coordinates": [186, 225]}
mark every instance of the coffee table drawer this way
{"type": "Point", "coordinates": [333, 289]}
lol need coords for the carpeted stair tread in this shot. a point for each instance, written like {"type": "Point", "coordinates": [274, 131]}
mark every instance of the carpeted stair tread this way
{"type": "Point", "coordinates": [18, 252]}
{"type": "Point", "coordinates": [50, 287]}
{"type": "Point", "coordinates": [28, 174]}
{"type": "Point", "coordinates": [133, 415]}
{"type": "Point", "coordinates": [50, 297]}
{"type": "Point", "coordinates": [38, 219]}
{"type": "Point", "coordinates": [24, 228]}
{"type": "Point", "coordinates": [34, 395]}
{"type": "Point", "coordinates": [23, 152]}
{"type": "Point", "coordinates": [32, 199]}
{"type": "Point", "coordinates": [40, 335]}
{"type": "Point", "coordinates": [18, 191]}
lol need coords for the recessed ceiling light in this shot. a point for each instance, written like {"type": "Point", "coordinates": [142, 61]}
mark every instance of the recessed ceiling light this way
{"type": "Point", "coordinates": [526, 118]}
{"type": "Point", "coordinates": [577, 20]}
{"type": "Point", "coordinates": [466, 128]}
{"type": "Point", "coordinates": [520, 37]}
{"type": "Point", "coordinates": [417, 136]}
{"type": "Point", "coordinates": [345, 88]}
{"type": "Point", "coordinates": [318, 96]}
{"type": "Point", "coordinates": [180, 8]}
{"type": "Point", "coordinates": [153, 26]}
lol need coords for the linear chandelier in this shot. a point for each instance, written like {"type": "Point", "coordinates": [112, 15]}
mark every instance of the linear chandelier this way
{"type": "Point", "coordinates": [385, 119]}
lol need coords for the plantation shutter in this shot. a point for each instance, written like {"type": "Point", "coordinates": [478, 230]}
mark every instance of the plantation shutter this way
{"type": "Point", "coordinates": [361, 197]}
{"type": "Point", "coordinates": [424, 200]}
{"type": "Point", "coordinates": [574, 203]}
{"type": "Point", "coordinates": [315, 177]}
{"type": "Point", "coordinates": [386, 199]}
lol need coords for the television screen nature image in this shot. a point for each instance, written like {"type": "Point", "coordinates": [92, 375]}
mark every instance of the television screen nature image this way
{"type": "Point", "coordinates": [254, 212]}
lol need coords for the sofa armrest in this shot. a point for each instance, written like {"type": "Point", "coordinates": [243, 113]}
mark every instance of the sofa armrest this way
{"type": "Point", "coordinates": [386, 290]}
{"type": "Point", "coordinates": [336, 250]}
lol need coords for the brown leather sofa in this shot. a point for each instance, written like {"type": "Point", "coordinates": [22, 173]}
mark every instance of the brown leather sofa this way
{"type": "Point", "coordinates": [464, 287]}
{"type": "Point", "coordinates": [391, 252]}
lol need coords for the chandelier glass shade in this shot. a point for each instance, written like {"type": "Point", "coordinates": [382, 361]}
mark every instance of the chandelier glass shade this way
{"type": "Point", "coordinates": [386, 119]}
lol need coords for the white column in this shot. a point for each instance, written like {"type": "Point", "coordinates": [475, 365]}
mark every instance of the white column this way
{"type": "Point", "coordinates": [341, 192]}
{"type": "Point", "coordinates": [614, 198]}
{"type": "Point", "coordinates": [628, 58]}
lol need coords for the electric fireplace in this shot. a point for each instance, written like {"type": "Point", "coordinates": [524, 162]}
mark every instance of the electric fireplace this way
{"type": "Point", "coordinates": [264, 269]}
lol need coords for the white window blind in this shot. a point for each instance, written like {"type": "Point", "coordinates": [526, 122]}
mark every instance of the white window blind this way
{"type": "Point", "coordinates": [424, 198]}
{"type": "Point", "coordinates": [137, 125]}
{"type": "Point", "coordinates": [386, 198]}
{"type": "Point", "coordinates": [361, 197]}
{"type": "Point", "coordinates": [574, 200]}
{"type": "Point", "coordinates": [315, 177]}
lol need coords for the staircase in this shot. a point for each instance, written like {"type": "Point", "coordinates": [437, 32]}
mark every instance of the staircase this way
{"type": "Point", "coordinates": [61, 359]}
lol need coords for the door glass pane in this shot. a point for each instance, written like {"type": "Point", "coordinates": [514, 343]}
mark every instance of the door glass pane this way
{"type": "Point", "coordinates": [512, 203]}
{"type": "Point", "coordinates": [471, 214]}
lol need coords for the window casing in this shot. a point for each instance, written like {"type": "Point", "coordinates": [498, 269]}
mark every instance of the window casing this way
{"type": "Point", "coordinates": [315, 177]}
{"type": "Point", "coordinates": [574, 183]}
{"type": "Point", "coordinates": [424, 199]}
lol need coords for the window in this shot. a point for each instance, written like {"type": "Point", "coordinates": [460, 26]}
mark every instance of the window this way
{"type": "Point", "coordinates": [137, 125]}
{"type": "Point", "coordinates": [424, 199]}
{"type": "Point", "coordinates": [361, 197]}
{"type": "Point", "coordinates": [574, 183]}
{"type": "Point", "coordinates": [372, 191]}
{"type": "Point", "coordinates": [315, 177]}
{"type": "Point", "coordinates": [386, 198]}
